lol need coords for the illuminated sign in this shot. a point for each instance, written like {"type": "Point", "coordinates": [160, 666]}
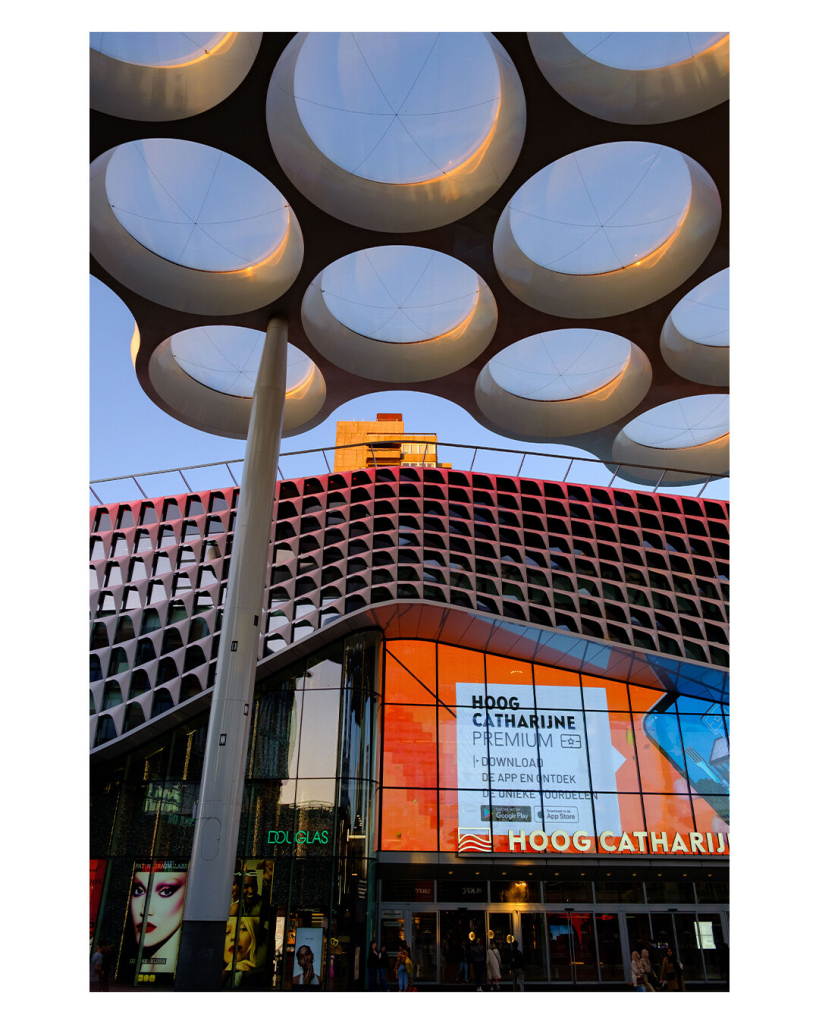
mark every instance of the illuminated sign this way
{"type": "Point", "coordinates": [527, 758]}
{"type": "Point", "coordinates": [629, 842]}
{"type": "Point", "coordinates": [279, 837]}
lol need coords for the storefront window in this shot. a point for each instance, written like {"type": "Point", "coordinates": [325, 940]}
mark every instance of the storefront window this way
{"type": "Point", "coordinates": [516, 892]}
{"type": "Point", "coordinates": [710, 939]}
{"type": "Point", "coordinates": [319, 727]}
{"type": "Point", "coordinates": [567, 892]}
{"type": "Point", "coordinates": [608, 943]}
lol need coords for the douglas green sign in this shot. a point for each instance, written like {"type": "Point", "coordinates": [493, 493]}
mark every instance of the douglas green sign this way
{"type": "Point", "coordinates": [280, 838]}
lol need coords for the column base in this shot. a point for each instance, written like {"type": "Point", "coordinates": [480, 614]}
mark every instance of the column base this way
{"type": "Point", "coordinates": [201, 957]}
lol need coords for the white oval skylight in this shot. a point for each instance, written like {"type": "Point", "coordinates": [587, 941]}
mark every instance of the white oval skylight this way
{"type": "Point", "coordinates": [400, 293]}
{"type": "Point", "coordinates": [226, 358]}
{"type": "Point", "coordinates": [683, 423]}
{"type": "Point", "coordinates": [157, 49]}
{"type": "Point", "coordinates": [602, 208]}
{"type": "Point", "coordinates": [642, 51]}
{"type": "Point", "coordinates": [194, 205]}
{"type": "Point", "coordinates": [560, 365]}
{"type": "Point", "coordinates": [703, 315]}
{"type": "Point", "coordinates": [397, 107]}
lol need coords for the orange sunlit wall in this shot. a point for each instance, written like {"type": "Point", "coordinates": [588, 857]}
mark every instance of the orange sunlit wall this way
{"type": "Point", "coordinates": [651, 761]}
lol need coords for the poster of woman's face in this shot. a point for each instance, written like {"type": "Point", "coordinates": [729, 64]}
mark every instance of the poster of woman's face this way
{"type": "Point", "coordinates": [241, 939]}
{"type": "Point", "coordinates": [307, 964]}
{"type": "Point", "coordinates": [155, 909]}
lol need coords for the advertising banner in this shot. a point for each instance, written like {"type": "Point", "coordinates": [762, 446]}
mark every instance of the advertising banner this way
{"type": "Point", "coordinates": [488, 754]}
{"type": "Point", "coordinates": [96, 880]}
{"type": "Point", "coordinates": [155, 909]}
{"type": "Point", "coordinates": [308, 959]}
{"type": "Point", "coordinates": [530, 769]}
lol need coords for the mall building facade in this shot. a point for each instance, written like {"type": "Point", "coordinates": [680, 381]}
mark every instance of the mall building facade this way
{"type": "Point", "coordinates": [484, 706]}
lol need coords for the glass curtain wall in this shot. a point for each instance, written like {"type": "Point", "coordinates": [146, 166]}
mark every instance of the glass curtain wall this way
{"type": "Point", "coordinates": [302, 899]}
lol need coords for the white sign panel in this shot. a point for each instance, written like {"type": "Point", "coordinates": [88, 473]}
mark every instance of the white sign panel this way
{"type": "Point", "coordinates": [526, 769]}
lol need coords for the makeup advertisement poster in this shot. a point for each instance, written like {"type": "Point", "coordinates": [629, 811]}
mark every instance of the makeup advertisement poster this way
{"type": "Point", "coordinates": [155, 909]}
{"type": "Point", "coordinates": [246, 950]}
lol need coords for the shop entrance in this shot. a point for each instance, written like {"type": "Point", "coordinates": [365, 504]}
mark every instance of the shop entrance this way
{"type": "Point", "coordinates": [583, 946]}
{"type": "Point", "coordinates": [459, 929]}
{"type": "Point", "coordinates": [699, 941]}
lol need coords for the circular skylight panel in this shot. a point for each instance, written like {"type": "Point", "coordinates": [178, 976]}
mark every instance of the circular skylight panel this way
{"type": "Point", "coordinates": [643, 51]}
{"type": "Point", "coordinates": [560, 365]}
{"type": "Point", "coordinates": [398, 107]}
{"type": "Point", "coordinates": [683, 423]}
{"type": "Point", "coordinates": [702, 316]}
{"type": "Point", "coordinates": [400, 293]}
{"type": "Point", "coordinates": [602, 208]}
{"type": "Point", "coordinates": [195, 206]}
{"type": "Point", "coordinates": [157, 49]}
{"type": "Point", "coordinates": [226, 359]}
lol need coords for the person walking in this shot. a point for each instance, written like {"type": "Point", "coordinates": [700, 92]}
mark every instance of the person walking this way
{"type": "Point", "coordinates": [493, 966]}
{"type": "Point", "coordinates": [671, 972]}
{"type": "Point", "coordinates": [478, 954]}
{"type": "Point", "coordinates": [372, 967]}
{"type": "Point", "coordinates": [383, 967]}
{"type": "Point", "coordinates": [637, 976]}
{"type": "Point", "coordinates": [96, 968]}
{"type": "Point", "coordinates": [516, 963]}
{"type": "Point", "coordinates": [649, 977]}
{"type": "Point", "coordinates": [403, 965]}
{"type": "Point", "coordinates": [463, 965]}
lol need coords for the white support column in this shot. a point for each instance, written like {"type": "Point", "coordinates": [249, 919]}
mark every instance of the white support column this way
{"type": "Point", "coordinates": [213, 857]}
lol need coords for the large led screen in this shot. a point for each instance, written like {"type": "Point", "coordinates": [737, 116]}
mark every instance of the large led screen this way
{"type": "Point", "coordinates": [489, 754]}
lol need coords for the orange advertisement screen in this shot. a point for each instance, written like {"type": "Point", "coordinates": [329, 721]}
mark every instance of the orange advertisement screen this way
{"type": "Point", "coordinates": [498, 755]}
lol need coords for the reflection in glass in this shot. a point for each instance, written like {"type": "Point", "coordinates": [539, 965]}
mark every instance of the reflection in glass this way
{"type": "Point", "coordinates": [274, 742]}
{"type": "Point", "coordinates": [516, 892]}
{"type": "Point", "coordinates": [425, 946]}
{"type": "Point", "coordinates": [608, 939]}
{"type": "Point", "coordinates": [568, 891]}
{"type": "Point", "coordinates": [669, 892]}
{"type": "Point", "coordinates": [318, 754]}
{"type": "Point", "coordinates": [500, 934]}
{"type": "Point", "coordinates": [607, 891]}
{"type": "Point", "coordinates": [688, 946]}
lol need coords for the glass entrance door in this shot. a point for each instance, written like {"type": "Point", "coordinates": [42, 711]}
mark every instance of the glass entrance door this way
{"type": "Point", "coordinates": [460, 929]}
{"type": "Point", "coordinates": [424, 946]}
{"type": "Point", "coordinates": [391, 935]}
{"type": "Point", "coordinates": [501, 933]}
{"type": "Point", "coordinates": [572, 947]}
{"type": "Point", "coordinates": [697, 938]}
